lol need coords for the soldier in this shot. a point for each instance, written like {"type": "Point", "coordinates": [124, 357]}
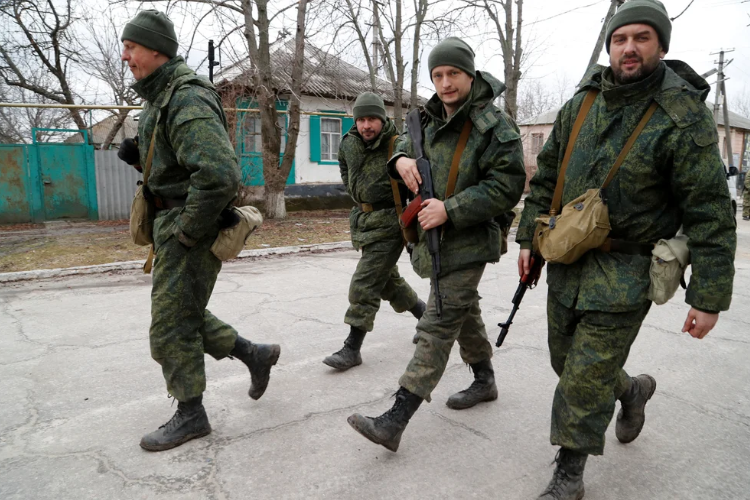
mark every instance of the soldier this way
{"type": "Point", "coordinates": [746, 199]}
{"type": "Point", "coordinates": [193, 176]}
{"type": "Point", "coordinates": [375, 230]}
{"type": "Point", "coordinates": [490, 181]}
{"type": "Point", "coordinates": [673, 176]}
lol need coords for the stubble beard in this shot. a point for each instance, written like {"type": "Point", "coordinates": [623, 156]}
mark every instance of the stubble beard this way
{"type": "Point", "coordinates": [644, 71]}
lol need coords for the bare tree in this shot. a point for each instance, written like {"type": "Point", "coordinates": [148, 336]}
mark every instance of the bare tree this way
{"type": "Point", "coordinates": [38, 35]}
{"type": "Point", "coordinates": [509, 34]}
{"type": "Point", "coordinates": [741, 103]}
{"type": "Point", "coordinates": [101, 59]}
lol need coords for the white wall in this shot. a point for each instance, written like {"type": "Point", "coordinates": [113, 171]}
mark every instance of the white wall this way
{"type": "Point", "coordinates": [307, 172]}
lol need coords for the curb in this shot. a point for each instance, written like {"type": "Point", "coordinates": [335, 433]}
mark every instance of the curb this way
{"type": "Point", "coordinates": [138, 264]}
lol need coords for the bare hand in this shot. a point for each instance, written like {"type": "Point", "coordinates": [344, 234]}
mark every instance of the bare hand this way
{"type": "Point", "coordinates": [699, 323]}
{"type": "Point", "coordinates": [407, 169]}
{"type": "Point", "coordinates": [433, 214]}
{"type": "Point", "coordinates": [524, 262]}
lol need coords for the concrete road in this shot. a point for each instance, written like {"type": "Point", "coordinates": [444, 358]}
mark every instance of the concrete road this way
{"type": "Point", "coordinates": [78, 389]}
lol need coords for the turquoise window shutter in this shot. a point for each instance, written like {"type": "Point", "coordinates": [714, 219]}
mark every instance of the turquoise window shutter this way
{"type": "Point", "coordinates": [346, 124]}
{"type": "Point", "coordinates": [315, 138]}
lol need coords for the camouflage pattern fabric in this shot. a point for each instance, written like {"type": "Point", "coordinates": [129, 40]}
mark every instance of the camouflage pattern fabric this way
{"type": "Point", "coordinates": [193, 158]}
{"type": "Point", "coordinates": [377, 278]}
{"type": "Point", "coordinates": [588, 350]}
{"type": "Point", "coordinates": [363, 172]}
{"type": "Point", "coordinates": [182, 329]}
{"type": "Point", "coordinates": [491, 176]}
{"type": "Point", "coordinates": [193, 155]}
{"type": "Point", "coordinates": [672, 176]}
{"type": "Point", "coordinates": [377, 234]}
{"type": "Point", "coordinates": [461, 321]}
{"type": "Point", "coordinates": [746, 197]}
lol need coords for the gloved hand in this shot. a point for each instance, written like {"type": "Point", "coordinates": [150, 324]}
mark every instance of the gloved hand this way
{"type": "Point", "coordinates": [128, 153]}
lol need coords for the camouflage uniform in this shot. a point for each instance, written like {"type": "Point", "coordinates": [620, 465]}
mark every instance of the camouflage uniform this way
{"type": "Point", "coordinates": [192, 157]}
{"type": "Point", "coordinates": [672, 177]}
{"type": "Point", "coordinates": [376, 233]}
{"type": "Point", "coordinates": [491, 178]}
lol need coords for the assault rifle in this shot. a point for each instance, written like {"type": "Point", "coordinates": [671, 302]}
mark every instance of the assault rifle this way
{"type": "Point", "coordinates": [527, 282]}
{"type": "Point", "coordinates": [426, 192]}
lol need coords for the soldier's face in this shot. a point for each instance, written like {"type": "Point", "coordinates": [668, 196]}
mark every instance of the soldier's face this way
{"type": "Point", "coordinates": [369, 127]}
{"type": "Point", "coordinates": [634, 53]}
{"type": "Point", "coordinates": [451, 84]}
{"type": "Point", "coordinates": [141, 60]}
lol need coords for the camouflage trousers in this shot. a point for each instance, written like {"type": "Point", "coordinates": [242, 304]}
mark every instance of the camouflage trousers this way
{"type": "Point", "coordinates": [746, 197]}
{"type": "Point", "coordinates": [377, 278]}
{"type": "Point", "coordinates": [588, 350]}
{"type": "Point", "coordinates": [182, 329]}
{"type": "Point", "coordinates": [461, 321]}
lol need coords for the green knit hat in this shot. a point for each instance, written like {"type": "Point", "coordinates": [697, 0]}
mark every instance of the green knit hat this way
{"type": "Point", "coordinates": [452, 52]}
{"type": "Point", "coordinates": [369, 104]}
{"type": "Point", "coordinates": [651, 12]}
{"type": "Point", "coordinates": [153, 30]}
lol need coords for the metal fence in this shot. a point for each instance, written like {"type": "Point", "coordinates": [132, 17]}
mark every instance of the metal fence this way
{"type": "Point", "coordinates": [116, 182]}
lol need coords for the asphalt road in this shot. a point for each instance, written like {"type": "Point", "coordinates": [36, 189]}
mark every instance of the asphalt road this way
{"type": "Point", "coordinates": [78, 389]}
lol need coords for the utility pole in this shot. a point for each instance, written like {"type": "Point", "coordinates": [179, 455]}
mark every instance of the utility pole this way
{"type": "Point", "coordinates": [376, 45]}
{"type": "Point", "coordinates": [603, 33]}
{"type": "Point", "coordinates": [721, 91]}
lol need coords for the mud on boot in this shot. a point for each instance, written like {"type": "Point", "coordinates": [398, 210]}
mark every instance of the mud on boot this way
{"type": "Point", "coordinates": [632, 414]}
{"type": "Point", "coordinates": [189, 422]}
{"type": "Point", "coordinates": [482, 389]}
{"type": "Point", "coordinates": [567, 480]}
{"type": "Point", "coordinates": [386, 429]}
{"type": "Point", "coordinates": [349, 355]}
{"type": "Point", "coordinates": [259, 358]}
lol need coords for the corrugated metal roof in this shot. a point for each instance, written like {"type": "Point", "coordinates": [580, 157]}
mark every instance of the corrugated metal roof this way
{"type": "Point", "coordinates": [324, 75]}
{"type": "Point", "coordinates": [735, 120]}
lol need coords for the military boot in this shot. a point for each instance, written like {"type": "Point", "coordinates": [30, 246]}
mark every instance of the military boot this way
{"type": "Point", "coordinates": [386, 429]}
{"type": "Point", "coordinates": [259, 358]}
{"type": "Point", "coordinates": [567, 480]}
{"type": "Point", "coordinates": [632, 413]}
{"type": "Point", "coordinates": [482, 389]}
{"type": "Point", "coordinates": [348, 356]}
{"type": "Point", "coordinates": [189, 422]}
{"type": "Point", "coordinates": [418, 311]}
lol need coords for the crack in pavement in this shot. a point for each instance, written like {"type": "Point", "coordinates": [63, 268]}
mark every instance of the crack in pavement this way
{"type": "Point", "coordinates": [680, 334]}
{"type": "Point", "coordinates": [460, 425]}
{"type": "Point", "coordinates": [743, 419]}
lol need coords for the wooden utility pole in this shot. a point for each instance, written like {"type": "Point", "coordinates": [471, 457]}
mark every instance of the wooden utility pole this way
{"type": "Point", "coordinates": [603, 33]}
{"type": "Point", "coordinates": [721, 91]}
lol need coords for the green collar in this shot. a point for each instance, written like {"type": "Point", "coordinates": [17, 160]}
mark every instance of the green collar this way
{"type": "Point", "coordinates": [617, 96]}
{"type": "Point", "coordinates": [154, 84]}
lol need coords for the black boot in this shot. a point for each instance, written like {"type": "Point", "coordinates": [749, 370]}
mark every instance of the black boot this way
{"type": "Point", "coordinates": [482, 389]}
{"type": "Point", "coordinates": [386, 429]}
{"type": "Point", "coordinates": [418, 311]}
{"type": "Point", "coordinates": [567, 480]}
{"type": "Point", "coordinates": [632, 413]}
{"type": "Point", "coordinates": [189, 422]}
{"type": "Point", "coordinates": [259, 358]}
{"type": "Point", "coordinates": [348, 356]}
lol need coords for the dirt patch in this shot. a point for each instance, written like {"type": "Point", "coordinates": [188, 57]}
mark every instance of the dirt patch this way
{"type": "Point", "coordinates": [68, 248]}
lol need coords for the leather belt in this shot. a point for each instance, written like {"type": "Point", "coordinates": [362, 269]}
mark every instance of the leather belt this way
{"type": "Point", "coordinates": [167, 203]}
{"type": "Point", "coordinates": [627, 247]}
{"type": "Point", "coordinates": [374, 207]}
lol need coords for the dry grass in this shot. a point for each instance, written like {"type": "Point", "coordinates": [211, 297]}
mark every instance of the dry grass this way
{"type": "Point", "coordinates": [111, 241]}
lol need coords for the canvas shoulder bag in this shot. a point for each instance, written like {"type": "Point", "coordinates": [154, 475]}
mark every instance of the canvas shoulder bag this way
{"type": "Point", "coordinates": [231, 240]}
{"type": "Point", "coordinates": [669, 260]}
{"type": "Point", "coordinates": [562, 237]}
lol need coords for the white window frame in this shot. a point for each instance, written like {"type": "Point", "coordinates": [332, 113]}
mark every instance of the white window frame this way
{"type": "Point", "coordinates": [330, 155]}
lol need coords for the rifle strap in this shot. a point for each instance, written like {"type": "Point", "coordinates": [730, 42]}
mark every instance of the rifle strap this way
{"type": "Point", "coordinates": [394, 184]}
{"type": "Point", "coordinates": [150, 155]}
{"type": "Point", "coordinates": [453, 175]}
{"type": "Point", "coordinates": [588, 101]}
{"type": "Point", "coordinates": [625, 150]}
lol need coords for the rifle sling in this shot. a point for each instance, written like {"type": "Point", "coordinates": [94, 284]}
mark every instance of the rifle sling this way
{"type": "Point", "coordinates": [463, 139]}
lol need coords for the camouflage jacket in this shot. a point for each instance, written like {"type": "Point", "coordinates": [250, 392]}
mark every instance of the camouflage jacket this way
{"type": "Point", "coordinates": [672, 177]}
{"type": "Point", "coordinates": [491, 176]}
{"type": "Point", "coordinates": [193, 156]}
{"type": "Point", "coordinates": [364, 174]}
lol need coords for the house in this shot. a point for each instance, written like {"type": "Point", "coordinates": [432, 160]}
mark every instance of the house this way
{"type": "Point", "coordinates": [330, 87]}
{"type": "Point", "coordinates": [99, 131]}
{"type": "Point", "coordinates": [535, 131]}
